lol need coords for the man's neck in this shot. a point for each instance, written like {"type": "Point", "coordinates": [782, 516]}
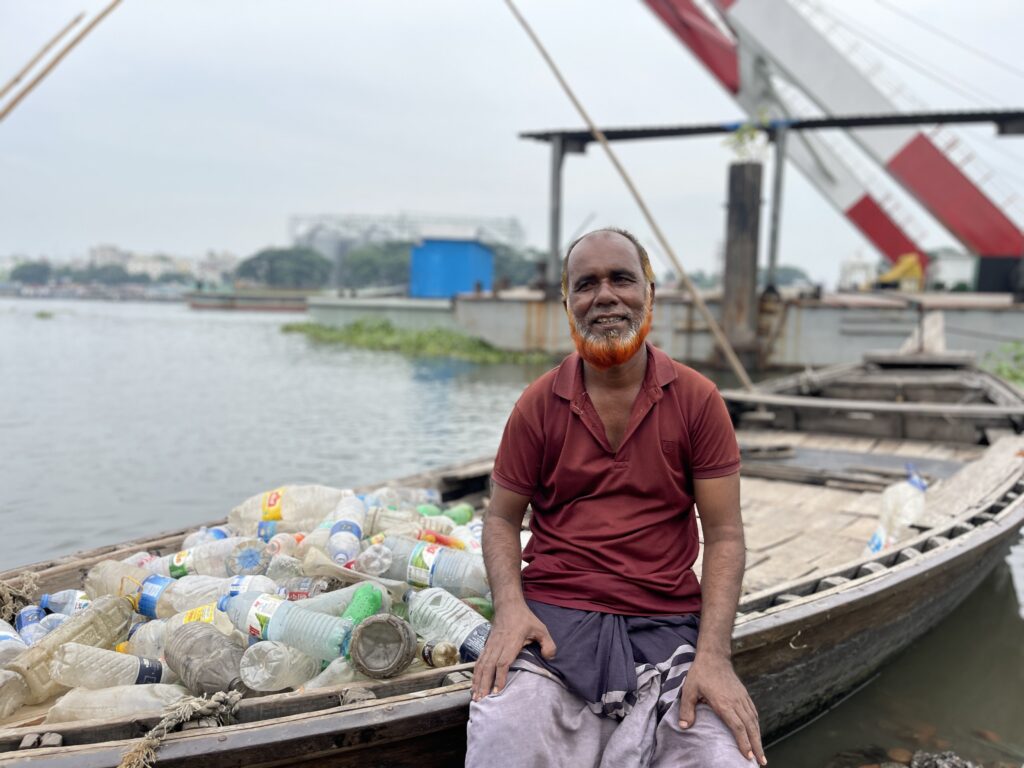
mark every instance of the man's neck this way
{"type": "Point", "coordinates": [629, 374]}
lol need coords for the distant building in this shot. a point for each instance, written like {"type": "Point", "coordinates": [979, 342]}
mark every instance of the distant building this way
{"type": "Point", "coordinates": [442, 268]}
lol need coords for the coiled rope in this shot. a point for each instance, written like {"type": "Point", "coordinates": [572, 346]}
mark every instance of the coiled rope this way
{"type": "Point", "coordinates": [220, 706]}
{"type": "Point", "coordinates": [16, 593]}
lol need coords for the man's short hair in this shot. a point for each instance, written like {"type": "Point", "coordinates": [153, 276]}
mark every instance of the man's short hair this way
{"type": "Point", "coordinates": [641, 252]}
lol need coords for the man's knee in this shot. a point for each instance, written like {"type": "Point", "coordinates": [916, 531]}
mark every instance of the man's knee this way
{"type": "Point", "coordinates": [707, 742]}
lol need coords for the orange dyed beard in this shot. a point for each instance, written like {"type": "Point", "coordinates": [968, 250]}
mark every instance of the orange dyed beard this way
{"type": "Point", "coordinates": [604, 352]}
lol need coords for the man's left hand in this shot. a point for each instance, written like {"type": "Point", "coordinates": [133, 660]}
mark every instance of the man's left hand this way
{"type": "Point", "coordinates": [712, 679]}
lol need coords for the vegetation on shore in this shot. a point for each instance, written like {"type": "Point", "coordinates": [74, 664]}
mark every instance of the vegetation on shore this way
{"type": "Point", "coordinates": [436, 342]}
{"type": "Point", "coordinates": [44, 314]}
{"type": "Point", "coordinates": [1008, 362]}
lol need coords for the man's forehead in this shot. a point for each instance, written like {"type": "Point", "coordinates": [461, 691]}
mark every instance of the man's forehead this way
{"type": "Point", "coordinates": [603, 244]}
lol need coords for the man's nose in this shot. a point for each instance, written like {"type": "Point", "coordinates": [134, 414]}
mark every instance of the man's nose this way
{"type": "Point", "coordinates": [605, 294]}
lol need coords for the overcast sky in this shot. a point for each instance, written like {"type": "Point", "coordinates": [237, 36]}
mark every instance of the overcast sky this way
{"type": "Point", "coordinates": [187, 125]}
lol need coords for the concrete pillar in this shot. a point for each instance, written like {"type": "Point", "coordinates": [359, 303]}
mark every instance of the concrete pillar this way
{"type": "Point", "coordinates": [739, 301]}
{"type": "Point", "coordinates": [553, 273]}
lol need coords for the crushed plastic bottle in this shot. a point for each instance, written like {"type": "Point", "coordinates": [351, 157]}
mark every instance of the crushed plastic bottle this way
{"type": "Point", "coordinates": [102, 624]}
{"type": "Point", "coordinates": [439, 616]}
{"type": "Point", "coordinates": [11, 643]}
{"type": "Point", "coordinates": [26, 621]}
{"type": "Point", "coordinates": [83, 666]}
{"type": "Point", "coordinates": [121, 701]}
{"type": "Point", "coordinates": [336, 602]}
{"type": "Point", "coordinates": [423, 564]}
{"type": "Point", "coordinates": [299, 588]}
{"type": "Point", "coordinates": [272, 666]}
{"type": "Point", "coordinates": [385, 520]}
{"type": "Point", "coordinates": [284, 543]}
{"type": "Point", "coordinates": [300, 506]}
{"type": "Point", "coordinates": [375, 560]}
{"type": "Point", "coordinates": [465, 536]}
{"type": "Point", "coordinates": [271, 617]}
{"type": "Point", "coordinates": [284, 567]}
{"type": "Point", "coordinates": [338, 672]}
{"type": "Point", "coordinates": [902, 504]}
{"type": "Point", "coordinates": [205, 659]}
{"type": "Point", "coordinates": [67, 601]}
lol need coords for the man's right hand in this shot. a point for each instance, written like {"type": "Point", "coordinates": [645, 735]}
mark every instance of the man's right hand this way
{"type": "Point", "coordinates": [513, 629]}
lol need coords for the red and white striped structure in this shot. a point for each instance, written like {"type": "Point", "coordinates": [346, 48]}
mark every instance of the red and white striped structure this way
{"type": "Point", "coordinates": [773, 39]}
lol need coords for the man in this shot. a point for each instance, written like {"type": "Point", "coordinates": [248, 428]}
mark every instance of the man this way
{"type": "Point", "coordinates": [595, 657]}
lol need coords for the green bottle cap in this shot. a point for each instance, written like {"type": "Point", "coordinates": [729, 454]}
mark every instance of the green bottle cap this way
{"type": "Point", "coordinates": [460, 513]}
{"type": "Point", "coordinates": [428, 510]}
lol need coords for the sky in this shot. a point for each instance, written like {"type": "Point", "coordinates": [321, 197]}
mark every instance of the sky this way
{"type": "Point", "coordinates": [183, 126]}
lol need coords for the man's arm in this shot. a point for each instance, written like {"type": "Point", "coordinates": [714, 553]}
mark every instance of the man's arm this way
{"type": "Point", "coordinates": [515, 625]}
{"type": "Point", "coordinates": [711, 676]}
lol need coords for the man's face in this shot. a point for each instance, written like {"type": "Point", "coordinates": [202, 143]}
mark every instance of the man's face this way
{"type": "Point", "coordinates": [609, 301]}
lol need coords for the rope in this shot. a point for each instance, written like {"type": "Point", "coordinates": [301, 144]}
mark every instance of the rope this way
{"type": "Point", "coordinates": [16, 593]}
{"type": "Point", "coordinates": [220, 706]}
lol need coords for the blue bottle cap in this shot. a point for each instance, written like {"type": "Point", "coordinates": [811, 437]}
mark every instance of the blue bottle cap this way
{"type": "Point", "coordinates": [222, 604]}
{"type": "Point", "coordinates": [44, 602]}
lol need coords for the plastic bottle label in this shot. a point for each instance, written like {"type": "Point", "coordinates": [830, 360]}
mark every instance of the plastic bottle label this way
{"type": "Point", "coordinates": [150, 671]}
{"type": "Point", "coordinates": [298, 589]}
{"type": "Point", "coordinates": [347, 526]}
{"type": "Point", "coordinates": [260, 611]}
{"type": "Point", "coordinates": [204, 613]}
{"type": "Point", "coordinates": [82, 602]}
{"type": "Point", "coordinates": [266, 529]}
{"type": "Point", "coordinates": [473, 645]}
{"type": "Point", "coordinates": [421, 563]}
{"type": "Point", "coordinates": [150, 593]}
{"type": "Point", "coordinates": [181, 564]}
{"type": "Point", "coordinates": [270, 504]}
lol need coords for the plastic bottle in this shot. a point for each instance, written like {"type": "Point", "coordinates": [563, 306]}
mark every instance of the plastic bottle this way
{"type": "Point", "coordinates": [284, 543]}
{"type": "Point", "coordinates": [439, 654]}
{"type": "Point", "coordinates": [347, 530]}
{"type": "Point", "coordinates": [338, 672]}
{"type": "Point", "coordinates": [235, 556]}
{"type": "Point", "coordinates": [438, 616]}
{"type": "Point", "coordinates": [470, 543]}
{"type": "Point", "coordinates": [193, 591]}
{"type": "Point", "coordinates": [11, 643]}
{"type": "Point", "coordinates": [111, 577]}
{"type": "Point", "coordinates": [139, 559]}
{"type": "Point", "coordinates": [205, 659]}
{"type": "Point", "coordinates": [423, 564]}
{"type": "Point", "coordinates": [26, 621]}
{"type": "Point", "coordinates": [149, 639]}
{"type": "Point", "coordinates": [382, 646]}
{"type": "Point", "coordinates": [102, 624]}
{"type": "Point", "coordinates": [375, 560]}
{"type": "Point", "coordinates": [298, 588]}
{"type": "Point", "coordinates": [121, 701]}
{"type": "Point", "coordinates": [302, 506]}
{"type": "Point", "coordinates": [398, 496]}
{"type": "Point", "coordinates": [67, 601]}
{"type": "Point", "coordinates": [381, 519]}
{"type": "Point", "coordinates": [83, 666]}
{"type": "Point", "coordinates": [273, 666]}
{"type": "Point", "coordinates": [271, 617]}
{"type": "Point", "coordinates": [284, 567]}
{"type": "Point", "coordinates": [205, 534]}
{"type": "Point", "coordinates": [902, 504]}
{"type": "Point", "coordinates": [54, 620]}
{"type": "Point", "coordinates": [336, 603]}
{"type": "Point", "coordinates": [460, 513]}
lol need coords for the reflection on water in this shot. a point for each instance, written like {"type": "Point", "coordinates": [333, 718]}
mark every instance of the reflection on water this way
{"type": "Point", "coordinates": [120, 420]}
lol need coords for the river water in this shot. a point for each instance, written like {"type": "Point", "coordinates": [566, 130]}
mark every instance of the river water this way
{"type": "Point", "coordinates": [120, 419]}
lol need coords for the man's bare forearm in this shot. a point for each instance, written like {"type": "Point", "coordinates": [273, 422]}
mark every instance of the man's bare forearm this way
{"type": "Point", "coordinates": [721, 580]}
{"type": "Point", "coordinates": [503, 554]}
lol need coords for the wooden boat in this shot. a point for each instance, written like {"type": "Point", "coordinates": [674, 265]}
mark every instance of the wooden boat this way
{"type": "Point", "coordinates": [816, 618]}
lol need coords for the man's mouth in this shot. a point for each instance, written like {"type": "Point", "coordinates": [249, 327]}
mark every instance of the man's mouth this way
{"type": "Point", "coordinates": [608, 320]}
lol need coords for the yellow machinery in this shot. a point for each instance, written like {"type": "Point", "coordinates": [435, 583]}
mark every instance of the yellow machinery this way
{"type": "Point", "coordinates": [906, 274]}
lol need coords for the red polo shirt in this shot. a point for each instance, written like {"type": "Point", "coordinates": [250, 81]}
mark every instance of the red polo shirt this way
{"type": "Point", "coordinates": [614, 531]}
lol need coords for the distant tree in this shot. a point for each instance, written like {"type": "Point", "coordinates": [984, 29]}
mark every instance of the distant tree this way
{"type": "Point", "coordinates": [286, 268]}
{"type": "Point", "coordinates": [784, 275]}
{"type": "Point", "coordinates": [518, 266]}
{"type": "Point", "coordinates": [182, 278]}
{"type": "Point", "coordinates": [32, 273]}
{"type": "Point", "coordinates": [376, 264]}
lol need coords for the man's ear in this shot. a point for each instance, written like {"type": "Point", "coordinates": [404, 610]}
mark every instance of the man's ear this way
{"type": "Point", "coordinates": [652, 293]}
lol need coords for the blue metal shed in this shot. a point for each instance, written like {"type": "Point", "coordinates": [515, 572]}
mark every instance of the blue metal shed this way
{"type": "Point", "coordinates": [441, 268]}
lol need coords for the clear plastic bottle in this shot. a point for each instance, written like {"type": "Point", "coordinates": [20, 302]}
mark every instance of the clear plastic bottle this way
{"type": "Point", "coordinates": [338, 672]}
{"type": "Point", "coordinates": [336, 603]}
{"type": "Point", "coordinates": [149, 639]}
{"type": "Point", "coordinates": [423, 564]}
{"type": "Point", "coordinates": [272, 666]}
{"type": "Point", "coordinates": [67, 601]}
{"type": "Point", "coordinates": [102, 624]}
{"type": "Point", "coordinates": [347, 531]}
{"type": "Point", "coordinates": [235, 556]}
{"type": "Point", "coordinates": [375, 560]}
{"type": "Point", "coordinates": [271, 617]}
{"type": "Point", "coordinates": [383, 519]}
{"type": "Point", "coordinates": [139, 559]}
{"type": "Point", "coordinates": [54, 620]}
{"type": "Point", "coordinates": [205, 659]}
{"type": "Point", "coordinates": [470, 543]}
{"type": "Point", "coordinates": [284, 543]}
{"type": "Point", "coordinates": [111, 577]}
{"type": "Point", "coordinates": [193, 591]}
{"type": "Point", "coordinates": [11, 643]}
{"type": "Point", "coordinates": [83, 666]}
{"type": "Point", "coordinates": [121, 701]}
{"type": "Point", "coordinates": [395, 496]}
{"type": "Point", "coordinates": [205, 534]}
{"type": "Point", "coordinates": [439, 616]}
{"type": "Point", "coordinates": [902, 504]}
{"type": "Point", "coordinates": [298, 588]}
{"type": "Point", "coordinates": [301, 506]}
{"type": "Point", "coordinates": [284, 567]}
{"type": "Point", "coordinates": [26, 621]}
{"type": "Point", "coordinates": [382, 646]}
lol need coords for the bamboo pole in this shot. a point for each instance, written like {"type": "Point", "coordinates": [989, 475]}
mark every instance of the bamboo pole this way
{"type": "Point", "coordinates": [20, 95]}
{"type": "Point", "coordinates": [42, 52]}
{"type": "Point", "coordinates": [720, 339]}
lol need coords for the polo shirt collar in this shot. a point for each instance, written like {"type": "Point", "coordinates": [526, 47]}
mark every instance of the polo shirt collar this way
{"type": "Point", "coordinates": [569, 381]}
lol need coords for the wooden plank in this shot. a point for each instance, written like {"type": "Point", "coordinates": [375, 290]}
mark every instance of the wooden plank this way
{"type": "Point", "coordinates": [946, 410]}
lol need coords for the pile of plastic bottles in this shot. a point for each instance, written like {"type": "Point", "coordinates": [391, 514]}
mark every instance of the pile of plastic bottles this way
{"type": "Point", "coordinates": [304, 587]}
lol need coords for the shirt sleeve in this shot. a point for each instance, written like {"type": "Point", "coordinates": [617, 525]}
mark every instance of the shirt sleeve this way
{"type": "Point", "coordinates": [517, 465]}
{"type": "Point", "coordinates": [715, 450]}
